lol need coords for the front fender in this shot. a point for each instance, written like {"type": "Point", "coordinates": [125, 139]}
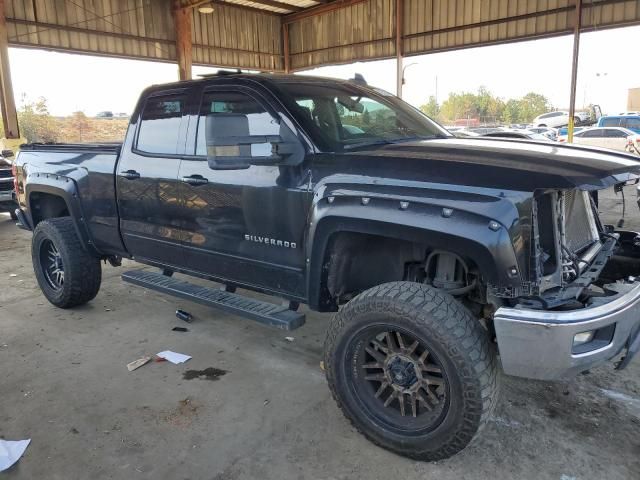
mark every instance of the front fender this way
{"type": "Point", "coordinates": [460, 231]}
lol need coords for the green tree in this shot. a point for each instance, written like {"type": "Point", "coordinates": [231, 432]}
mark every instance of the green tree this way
{"type": "Point", "coordinates": [431, 108]}
{"type": "Point", "coordinates": [36, 124]}
{"type": "Point", "coordinates": [532, 105]}
{"type": "Point", "coordinates": [511, 113]}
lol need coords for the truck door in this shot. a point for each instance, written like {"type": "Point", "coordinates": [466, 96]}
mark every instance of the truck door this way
{"type": "Point", "coordinates": [147, 180]}
{"type": "Point", "coordinates": [243, 225]}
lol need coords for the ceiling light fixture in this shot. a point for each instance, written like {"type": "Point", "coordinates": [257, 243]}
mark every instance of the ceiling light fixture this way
{"type": "Point", "coordinates": [206, 9]}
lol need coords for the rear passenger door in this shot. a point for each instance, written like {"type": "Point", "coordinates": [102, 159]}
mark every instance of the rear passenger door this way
{"type": "Point", "coordinates": [147, 180]}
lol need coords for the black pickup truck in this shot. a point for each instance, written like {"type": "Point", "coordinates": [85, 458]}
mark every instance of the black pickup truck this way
{"type": "Point", "coordinates": [442, 257]}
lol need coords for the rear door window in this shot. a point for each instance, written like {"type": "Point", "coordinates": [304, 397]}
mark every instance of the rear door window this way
{"type": "Point", "coordinates": [615, 134]}
{"type": "Point", "coordinates": [160, 122]}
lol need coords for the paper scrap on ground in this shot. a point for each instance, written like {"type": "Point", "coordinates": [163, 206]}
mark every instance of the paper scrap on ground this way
{"type": "Point", "coordinates": [11, 451]}
{"type": "Point", "coordinates": [173, 357]}
{"type": "Point", "coordinates": [138, 363]}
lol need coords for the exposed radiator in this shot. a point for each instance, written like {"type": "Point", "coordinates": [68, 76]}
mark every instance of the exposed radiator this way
{"type": "Point", "coordinates": [580, 229]}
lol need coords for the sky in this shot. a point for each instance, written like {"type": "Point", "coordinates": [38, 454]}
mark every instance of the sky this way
{"type": "Point", "coordinates": [608, 67]}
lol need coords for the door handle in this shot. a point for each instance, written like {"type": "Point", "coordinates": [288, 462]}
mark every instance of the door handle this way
{"type": "Point", "coordinates": [130, 174]}
{"type": "Point", "coordinates": [195, 180]}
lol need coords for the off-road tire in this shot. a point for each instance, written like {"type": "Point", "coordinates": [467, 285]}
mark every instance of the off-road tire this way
{"type": "Point", "coordinates": [458, 339]}
{"type": "Point", "coordinates": [82, 271]}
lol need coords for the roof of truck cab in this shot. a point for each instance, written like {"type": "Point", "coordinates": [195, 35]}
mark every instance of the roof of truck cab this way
{"type": "Point", "coordinates": [262, 78]}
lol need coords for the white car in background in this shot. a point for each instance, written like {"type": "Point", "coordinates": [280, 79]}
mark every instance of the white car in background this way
{"type": "Point", "coordinates": [559, 119]}
{"type": "Point", "coordinates": [552, 119]}
{"type": "Point", "coordinates": [615, 138]}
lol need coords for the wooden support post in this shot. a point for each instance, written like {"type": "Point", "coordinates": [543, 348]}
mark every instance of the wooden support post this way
{"type": "Point", "coordinates": [7, 101]}
{"type": "Point", "coordinates": [285, 48]}
{"type": "Point", "coordinates": [574, 70]}
{"type": "Point", "coordinates": [182, 23]}
{"type": "Point", "coordinates": [399, 69]}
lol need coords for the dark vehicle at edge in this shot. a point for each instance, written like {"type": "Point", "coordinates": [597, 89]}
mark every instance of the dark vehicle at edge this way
{"type": "Point", "coordinates": [7, 185]}
{"type": "Point", "coordinates": [436, 253]}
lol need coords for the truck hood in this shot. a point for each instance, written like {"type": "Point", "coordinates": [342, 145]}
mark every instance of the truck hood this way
{"type": "Point", "coordinates": [497, 163]}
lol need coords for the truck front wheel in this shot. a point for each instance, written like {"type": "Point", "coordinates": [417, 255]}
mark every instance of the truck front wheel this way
{"type": "Point", "coordinates": [411, 369]}
{"type": "Point", "coordinates": [66, 273]}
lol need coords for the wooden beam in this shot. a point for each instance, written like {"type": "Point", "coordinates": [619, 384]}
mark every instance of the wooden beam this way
{"type": "Point", "coordinates": [182, 23]}
{"type": "Point", "coordinates": [285, 48]}
{"type": "Point", "coordinates": [7, 100]}
{"type": "Point", "coordinates": [320, 9]}
{"type": "Point", "coordinates": [274, 4]}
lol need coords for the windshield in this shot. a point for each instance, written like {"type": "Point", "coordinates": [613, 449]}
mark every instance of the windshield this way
{"type": "Point", "coordinates": [345, 116]}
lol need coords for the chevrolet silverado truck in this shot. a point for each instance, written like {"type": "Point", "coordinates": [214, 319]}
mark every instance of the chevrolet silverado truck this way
{"type": "Point", "coordinates": [443, 258]}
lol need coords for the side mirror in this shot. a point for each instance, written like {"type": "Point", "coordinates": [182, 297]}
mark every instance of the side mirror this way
{"type": "Point", "coordinates": [7, 153]}
{"type": "Point", "coordinates": [230, 147]}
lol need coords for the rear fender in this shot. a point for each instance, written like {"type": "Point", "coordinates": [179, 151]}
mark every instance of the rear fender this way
{"type": "Point", "coordinates": [66, 188]}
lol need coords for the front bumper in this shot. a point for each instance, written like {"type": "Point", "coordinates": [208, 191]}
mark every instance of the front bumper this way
{"type": "Point", "coordinates": [539, 344]}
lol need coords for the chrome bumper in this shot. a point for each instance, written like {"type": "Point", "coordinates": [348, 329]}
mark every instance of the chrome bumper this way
{"type": "Point", "coordinates": [539, 344]}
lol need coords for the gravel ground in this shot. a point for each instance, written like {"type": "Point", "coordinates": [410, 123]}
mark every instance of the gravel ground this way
{"type": "Point", "coordinates": [64, 384]}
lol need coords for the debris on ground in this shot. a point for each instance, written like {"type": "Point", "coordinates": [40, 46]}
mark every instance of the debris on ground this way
{"type": "Point", "coordinates": [266, 402]}
{"type": "Point", "coordinates": [210, 373]}
{"type": "Point", "coordinates": [11, 451]}
{"type": "Point", "coordinates": [179, 329]}
{"type": "Point", "coordinates": [138, 363]}
{"type": "Point", "coordinates": [185, 316]}
{"type": "Point", "coordinates": [183, 415]}
{"type": "Point", "coordinates": [173, 357]}
{"type": "Point", "coordinates": [289, 339]}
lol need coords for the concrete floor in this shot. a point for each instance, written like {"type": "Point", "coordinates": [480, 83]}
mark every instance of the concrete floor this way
{"type": "Point", "coordinates": [64, 384]}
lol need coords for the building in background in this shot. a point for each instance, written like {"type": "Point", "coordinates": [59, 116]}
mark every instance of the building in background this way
{"type": "Point", "coordinates": [633, 100]}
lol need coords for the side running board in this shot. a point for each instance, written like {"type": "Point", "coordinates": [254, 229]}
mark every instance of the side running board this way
{"type": "Point", "coordinates": [263, 312]}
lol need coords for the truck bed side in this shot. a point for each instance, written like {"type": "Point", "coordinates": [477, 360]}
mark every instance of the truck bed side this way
{"type": "Point", "coordinates": [74, 179]}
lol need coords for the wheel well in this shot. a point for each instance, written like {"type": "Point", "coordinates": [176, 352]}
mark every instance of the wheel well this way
{"type": "Point", "coordinates": [46, 205]}
{"type": "Point", "coordinates": [355, 262]}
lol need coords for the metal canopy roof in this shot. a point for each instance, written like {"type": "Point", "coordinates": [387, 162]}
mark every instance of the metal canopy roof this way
{"type": "Point", "coordinates": [290, 35]}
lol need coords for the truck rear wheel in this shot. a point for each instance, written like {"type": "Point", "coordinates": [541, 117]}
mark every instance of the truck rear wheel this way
{"type": "Point", "coordinates": [67, 274]}
{"type": "Point", "coordinates": [411, 369]}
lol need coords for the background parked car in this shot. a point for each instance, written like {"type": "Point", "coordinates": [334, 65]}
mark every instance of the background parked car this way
{"type": "Point", "coordinates": [616, 138]}
{"type": "Point", "coordinates": [523, 134]}
{"type": "Point", "coordinates": [548, 132]}
{"type": "Point", "coordinates": [631, 122]}
{"type": "Point", "coordinates": [552, 119]}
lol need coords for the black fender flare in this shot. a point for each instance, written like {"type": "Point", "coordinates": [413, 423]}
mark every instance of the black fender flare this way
{"type": "Point", "coordinates": [66, 188]}
{"type": "Point", "coordinates": [466, 233]}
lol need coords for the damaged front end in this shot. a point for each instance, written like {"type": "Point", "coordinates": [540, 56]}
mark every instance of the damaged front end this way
{"type": "Point", "coordinates": [581, 306]}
